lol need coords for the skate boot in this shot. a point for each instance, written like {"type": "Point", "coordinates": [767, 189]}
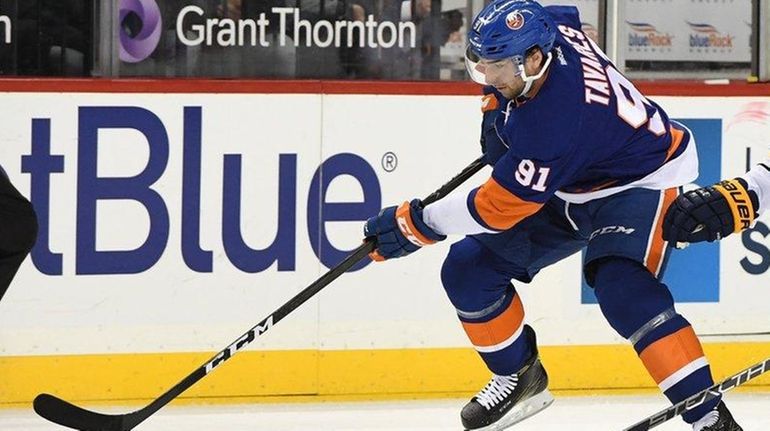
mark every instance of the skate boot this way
{"type": "Point", "coordinates": [718, 419]}
{"type": "Point", "coordinates": [506, 400]}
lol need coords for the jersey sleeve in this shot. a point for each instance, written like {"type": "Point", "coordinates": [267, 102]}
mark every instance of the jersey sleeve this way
{"type": "Point", "coordinates": [492, 146]}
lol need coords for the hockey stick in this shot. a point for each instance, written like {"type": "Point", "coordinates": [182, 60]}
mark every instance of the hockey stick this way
{"type": "Point", "coordinates": [702, 397]}
{"type": "Point", "coordinates": [69, 415]}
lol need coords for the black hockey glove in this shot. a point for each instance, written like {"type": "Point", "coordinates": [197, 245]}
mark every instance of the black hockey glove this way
{"type": "Point", "coordinates": [710, 213]}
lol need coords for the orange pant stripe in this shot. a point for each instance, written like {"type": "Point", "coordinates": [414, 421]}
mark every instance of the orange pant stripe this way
{"type": "Point", "coordinates": [499, 329]}
{"type": "Point", "coordinates": [671, 353]}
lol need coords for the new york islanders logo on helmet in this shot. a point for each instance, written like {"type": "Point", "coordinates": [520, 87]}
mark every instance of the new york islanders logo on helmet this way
{"type": "Point", "coordinates": [515, 20]}
{"type": "Point", "coordinates": [508, 28]}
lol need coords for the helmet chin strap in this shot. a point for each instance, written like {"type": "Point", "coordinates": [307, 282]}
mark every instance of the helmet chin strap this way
{"type": "Point", "coordinates": [529, 80]}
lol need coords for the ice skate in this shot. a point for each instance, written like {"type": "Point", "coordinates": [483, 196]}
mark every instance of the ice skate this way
{"type": "Point", "coordinates": [718, 419]}
{"type": "Point", "coordinates": [506, 400]}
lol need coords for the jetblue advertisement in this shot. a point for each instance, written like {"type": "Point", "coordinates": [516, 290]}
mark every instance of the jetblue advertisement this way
{"type": "Point", "coordinates": [159, 212]}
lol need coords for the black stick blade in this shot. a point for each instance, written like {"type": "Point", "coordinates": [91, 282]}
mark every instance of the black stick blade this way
{"type": "Point", "coordinates": [69, 415]}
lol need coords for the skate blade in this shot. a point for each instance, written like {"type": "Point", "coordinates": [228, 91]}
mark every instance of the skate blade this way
{"type": "Point", "coordinates": [525, 409]}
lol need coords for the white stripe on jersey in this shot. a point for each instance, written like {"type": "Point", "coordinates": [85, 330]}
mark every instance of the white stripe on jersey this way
{"type": "Point", "coordinates": [679, 171]}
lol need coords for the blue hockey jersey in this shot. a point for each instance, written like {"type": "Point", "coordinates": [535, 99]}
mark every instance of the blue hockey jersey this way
{"type": "Point", "coordinates": [586, 133]}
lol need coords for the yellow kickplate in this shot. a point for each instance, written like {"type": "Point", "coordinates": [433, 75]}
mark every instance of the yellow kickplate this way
{"type": "Point", "coordinates": [311, 375]}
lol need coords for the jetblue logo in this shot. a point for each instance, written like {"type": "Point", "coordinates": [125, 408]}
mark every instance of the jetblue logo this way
{"type": "Point", "coordinates": [92, 188]}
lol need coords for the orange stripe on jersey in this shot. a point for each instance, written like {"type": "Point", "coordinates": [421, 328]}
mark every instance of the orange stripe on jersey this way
{"type": "Point", "coordinates": [657, 246]}
{"type": "Point", "coordinates": [489, 103]}
{"type": "Point", "coordinates": [671, 353]}
{"type": "Point", "coordinates": [499, 208]}
{"type": "Point", "coordinates": [676, 140]}
{"type": "Point", "coordinates": [603, 185]}
{"type": "Point", "coordinates": [499, 329]}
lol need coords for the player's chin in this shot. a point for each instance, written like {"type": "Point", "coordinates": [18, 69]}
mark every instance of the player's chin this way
{"type": "Point", "coordinates": [505, 91]}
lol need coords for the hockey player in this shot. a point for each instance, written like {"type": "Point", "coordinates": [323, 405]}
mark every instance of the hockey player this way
{"type": "Point", "coordinates": [18, 230]}
{"type": "Point", "coordinates": [711, 213]}
{"type": "Point", "coordinates": [582, 160]}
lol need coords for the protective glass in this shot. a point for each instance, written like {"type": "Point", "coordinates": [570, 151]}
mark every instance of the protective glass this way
{"type": "Point", "coordinates": [491, 72]}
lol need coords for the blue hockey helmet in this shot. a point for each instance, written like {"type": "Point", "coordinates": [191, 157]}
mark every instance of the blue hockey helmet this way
{"type": "Point", "coordinates": [507, 29]}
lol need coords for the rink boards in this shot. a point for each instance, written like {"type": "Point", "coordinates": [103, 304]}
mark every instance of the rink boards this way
{"type": "Point", "coordinates": [173, 222]}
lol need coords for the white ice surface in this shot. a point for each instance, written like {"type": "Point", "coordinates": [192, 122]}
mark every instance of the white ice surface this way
{"type": "Point", "coordinates": [612, 413]}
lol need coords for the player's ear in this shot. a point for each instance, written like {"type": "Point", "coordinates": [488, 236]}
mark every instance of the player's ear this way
{"type": "Point", "coordinates": [534, 61]}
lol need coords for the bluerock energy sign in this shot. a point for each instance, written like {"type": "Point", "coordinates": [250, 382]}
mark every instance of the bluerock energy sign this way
{"type": "Point", "coordinates": [687, 30]}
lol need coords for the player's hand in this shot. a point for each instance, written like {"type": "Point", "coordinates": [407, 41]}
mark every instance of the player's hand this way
{"type": "Point", "coordinates": [399, 231]}
{"type": "Point", "coordinates": [710, 213]}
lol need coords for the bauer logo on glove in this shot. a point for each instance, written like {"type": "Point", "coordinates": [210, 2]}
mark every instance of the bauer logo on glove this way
{"type": "Point", "coordinates": [740, 203]}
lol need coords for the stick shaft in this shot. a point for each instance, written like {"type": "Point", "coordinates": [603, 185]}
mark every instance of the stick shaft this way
{"type": "Point", "coordinates": [260, 328]}
{"type": "Point", "coordinates": [67, 414]}
{"type": "Point", "coordinates": [702, 397]}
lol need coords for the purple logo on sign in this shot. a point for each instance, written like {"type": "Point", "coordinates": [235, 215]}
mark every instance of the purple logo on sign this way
{"type": "Point", "coordinates": [135, 46]}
